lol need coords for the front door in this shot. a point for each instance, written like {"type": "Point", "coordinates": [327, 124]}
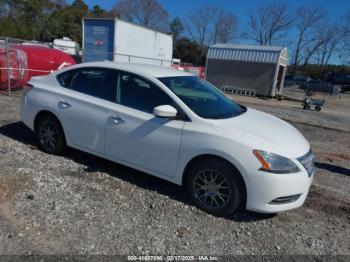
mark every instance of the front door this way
{"type": "Point", "coordinates": [134, 136]}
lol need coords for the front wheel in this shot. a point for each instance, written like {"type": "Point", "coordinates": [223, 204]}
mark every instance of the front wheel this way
{"type": "Point", "coordinates": [50, 135]}
{"type": "Point", "coordinates": [214, 187]}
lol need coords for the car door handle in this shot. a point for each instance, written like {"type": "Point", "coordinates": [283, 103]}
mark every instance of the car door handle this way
{"type": "Point", "coordinates": [116, 120]}
{"type": "Point", "coordinates": [63, 104]}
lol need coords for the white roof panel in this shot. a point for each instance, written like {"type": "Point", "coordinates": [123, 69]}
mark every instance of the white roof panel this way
{"type": "Point", "coordinates": [262, 54]}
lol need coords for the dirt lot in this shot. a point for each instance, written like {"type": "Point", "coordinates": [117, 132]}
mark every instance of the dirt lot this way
{"type": "Point", "coordinates": [81, 204]}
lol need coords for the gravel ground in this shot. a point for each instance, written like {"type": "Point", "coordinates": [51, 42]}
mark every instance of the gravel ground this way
{"type": "Point", "coordinates": [81, 204]}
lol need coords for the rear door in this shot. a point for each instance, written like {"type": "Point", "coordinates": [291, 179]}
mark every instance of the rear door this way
{"type": "Point", "coordinates": [134, 135]}
{"type": "Point", "coordinates": [82, 105]}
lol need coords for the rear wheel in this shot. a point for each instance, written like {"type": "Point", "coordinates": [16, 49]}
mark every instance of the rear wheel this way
{"type": "Point", "coordinates": [50, 135]}
{"type": "Point", "coordinates": [318, 108]}
{"type": "Point", "coordinates": [214, 187]}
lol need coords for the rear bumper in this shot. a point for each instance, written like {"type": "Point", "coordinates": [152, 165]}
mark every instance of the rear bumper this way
{"type": "Point", "coordinates": [273, 193]}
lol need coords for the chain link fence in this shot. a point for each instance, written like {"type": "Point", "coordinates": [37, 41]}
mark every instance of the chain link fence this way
{"type": "Point", "coordinates": [14, 64]}
{"type": "Point", "coordinates": [15, 69]}
{"type": "Point", "coordinates": [5, 72]}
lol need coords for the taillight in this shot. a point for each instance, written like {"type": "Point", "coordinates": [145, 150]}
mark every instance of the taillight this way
{"type": "Point", "coordinates": [27, 87]}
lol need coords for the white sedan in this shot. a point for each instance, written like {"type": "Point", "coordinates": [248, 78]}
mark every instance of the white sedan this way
{"type": "Point", "coordinates": [175, 126]}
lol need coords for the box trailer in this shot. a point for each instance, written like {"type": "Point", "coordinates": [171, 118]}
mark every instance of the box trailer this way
{"type": "Point", "coordinates": [258, 70]}
{"type": "Point", "coordinates": [117, 40]}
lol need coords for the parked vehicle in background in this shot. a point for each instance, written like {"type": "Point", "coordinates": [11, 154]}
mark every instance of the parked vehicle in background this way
{"type": "Point", "coordinates": [339, 79]}
{"type": "Point", "coordinates": [295, 80]}
{"type": "Point", "coordinates": [175, 126]}
{"type": "Point", "coordinates": [320, 86]}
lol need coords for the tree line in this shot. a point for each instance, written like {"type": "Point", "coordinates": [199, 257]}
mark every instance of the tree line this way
{"type": "Point", "coordinates": [313, 39]}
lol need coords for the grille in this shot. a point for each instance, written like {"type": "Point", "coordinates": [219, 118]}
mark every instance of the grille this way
{"type": "Point", "coordinates": [308, 162]}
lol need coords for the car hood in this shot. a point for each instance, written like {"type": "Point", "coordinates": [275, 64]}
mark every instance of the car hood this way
{"type": "Point", "coordinates": [265, 132]}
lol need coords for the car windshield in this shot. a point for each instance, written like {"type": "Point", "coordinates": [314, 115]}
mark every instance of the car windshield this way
{"type": "Point", "coordinates": [202, 98]}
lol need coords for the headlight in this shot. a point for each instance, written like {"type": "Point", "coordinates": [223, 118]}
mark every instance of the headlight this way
{"type": "Point", "coordinates": [275, 163]}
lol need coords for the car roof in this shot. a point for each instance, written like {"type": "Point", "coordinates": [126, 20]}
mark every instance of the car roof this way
{"type": "Point", "coordinates": [152, 70]}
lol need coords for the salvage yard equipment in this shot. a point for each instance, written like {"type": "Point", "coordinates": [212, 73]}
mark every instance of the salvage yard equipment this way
{"type": "Point", "coordinates": [316, 99]}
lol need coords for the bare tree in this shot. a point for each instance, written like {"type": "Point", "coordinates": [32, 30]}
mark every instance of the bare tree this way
{"type": "Point", "coordinates": [176, 28]}
{"type": "Point", "coordinates": [143, 12]}
{"type": "Point", "coordinates": [199, 24]}
{"type": "Point", "coordinates": [310, 49]}
{"type": "Point", "coordinates": [9, 8]}
{"type": "Point", "coordinates": [326, 42]}
{"type": "Point", "coordinates": [307, 19]}
{"type": "Point", "coordinates": [331, 38]}
{"type": "Point", "coordinates": [225, 27]}
{"type": "Point", "coordinates": [270, 23]}
{"type": "Point", "coordinates": [210, 25]}
{"type": "Point", "coordinates": [345, 31]}
{"type": "Point", "coordinates": [3, 8]}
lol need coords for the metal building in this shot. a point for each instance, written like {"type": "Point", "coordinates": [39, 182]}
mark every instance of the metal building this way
{"type": "Point", "coordinates": [259, 69]}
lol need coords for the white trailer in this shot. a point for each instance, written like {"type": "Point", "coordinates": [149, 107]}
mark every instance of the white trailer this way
{"type": "Point", "coordinates": [117, 40]}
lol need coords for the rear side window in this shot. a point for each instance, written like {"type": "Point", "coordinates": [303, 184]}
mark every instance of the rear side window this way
{"type": "Point", "coordinates": [97, 82]}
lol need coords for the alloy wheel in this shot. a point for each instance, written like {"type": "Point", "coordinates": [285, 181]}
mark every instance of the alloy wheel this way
{"type": "Point", "coordinates": [212, 189]}
{"type": "Point", "coordinates": [49, 135]}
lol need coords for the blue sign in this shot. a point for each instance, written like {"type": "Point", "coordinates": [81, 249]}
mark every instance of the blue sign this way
{"type": "Point", "coordinates": [98, 40]}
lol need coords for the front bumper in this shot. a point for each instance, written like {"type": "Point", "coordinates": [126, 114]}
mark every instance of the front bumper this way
{"type": "Point", "coordinates": [273, 193]}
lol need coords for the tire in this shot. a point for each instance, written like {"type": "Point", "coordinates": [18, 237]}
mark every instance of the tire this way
{"type": "Point", "coordinates": [50, 135]}
{"type": "Point", "coordinates": [318, 108]}
{"type": "Point", "coordinates": [231, 192]}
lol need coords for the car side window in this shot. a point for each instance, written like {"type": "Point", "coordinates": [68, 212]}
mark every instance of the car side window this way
{"type": "Point", "coordinates": [138, 93]}
{"type": "Point", "coordinates": [97, 82]}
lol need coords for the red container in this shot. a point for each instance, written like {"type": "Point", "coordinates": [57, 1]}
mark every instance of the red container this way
{"type": "Point", "coordinates": [30, 60]}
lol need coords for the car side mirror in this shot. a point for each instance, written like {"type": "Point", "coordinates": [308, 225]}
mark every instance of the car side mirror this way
{"type": "Point", "coordinates": [165, 111]}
